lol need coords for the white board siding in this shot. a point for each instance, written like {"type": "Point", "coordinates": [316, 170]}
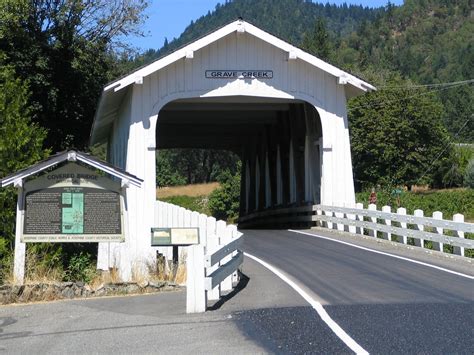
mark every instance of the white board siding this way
{"type": "Point", "coordinates": [185, 78]}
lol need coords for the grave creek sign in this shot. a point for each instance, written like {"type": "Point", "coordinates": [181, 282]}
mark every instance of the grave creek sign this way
{"type": "Point", "coordinates": [72, 204]}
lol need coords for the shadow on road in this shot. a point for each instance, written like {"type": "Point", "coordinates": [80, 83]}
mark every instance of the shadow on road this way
{"type": "Point", "coordinates": [244, 280]}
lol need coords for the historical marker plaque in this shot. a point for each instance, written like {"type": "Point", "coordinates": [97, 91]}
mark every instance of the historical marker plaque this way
{"type": "Point", "coordinates": [72, 204]}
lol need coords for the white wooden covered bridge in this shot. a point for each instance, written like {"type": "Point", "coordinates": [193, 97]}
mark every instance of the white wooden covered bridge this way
{"type": "Point", "coordinates": [282, 110]}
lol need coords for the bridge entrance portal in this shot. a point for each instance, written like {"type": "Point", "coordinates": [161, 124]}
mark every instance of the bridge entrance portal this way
{"type": "Point", "coordinates": [277, 140]}
{"type": "Point", "coordinates": [239, 88]}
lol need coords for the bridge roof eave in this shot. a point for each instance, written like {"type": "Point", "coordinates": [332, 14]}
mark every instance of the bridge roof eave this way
{"type": "Point", "coordinates": [354, 85]}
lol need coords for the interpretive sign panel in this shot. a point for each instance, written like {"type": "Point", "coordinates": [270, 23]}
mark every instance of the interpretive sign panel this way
{"type": "Point", "coordinates": [174, 236]}
{"type": "Point", "coordinates": [72, 204]}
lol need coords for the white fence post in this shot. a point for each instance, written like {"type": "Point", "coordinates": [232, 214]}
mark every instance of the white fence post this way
{"type": "Point", "coordinates": [403, 212]}
{"type": "Point", "coordinates": [352, 217]}
{"type": "Point", "coordinates": [195, 293]}
{"type": "Point", "coordinates": [373, 232]}
{"type": "Point", "coordinates": [212, 245]}
{"type": "Point", "coordinates": [418, 241]}
{"type": "Point", "coordinates": [459, 218]}
{"type": "Point", "coordinates": [319, 223]}
{"type": "Point", "coordinates": [181, 211]}
{"type": "Point", "coordinates": [439, 230]}
{"type": "Point", "coordinates": [359, 230]}
{"type": "Point", "coordinates": [329, 225]}
{"type": "Point", "coordinates": [388, 222]}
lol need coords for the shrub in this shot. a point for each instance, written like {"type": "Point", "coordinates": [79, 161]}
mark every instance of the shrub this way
{"type": "Point", "coordinates": [224, 201]}
{"type": "Point", "coordinates": [469, 175]}
{"type": "Point", "coordinates": [81, 268]}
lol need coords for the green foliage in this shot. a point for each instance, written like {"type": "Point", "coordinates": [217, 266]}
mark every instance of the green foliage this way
{"type": "Point", "coordinates": [469, 175]}
{"type": "Point", "coordinates": [397, 136]}
{"type": "Point", "coordinates": [20, 146]}
{"type": "Point", "coordinates": [198, 204]}
{"type": "Point", "coordinates": [224, 201]}
{"type": "Point", "coordinates": [318, 42]}
{"type": "Point", "coordinates": [190, 166]}
{"type": "Point", "coordinates": [81, 268]}
{"type": "Point", "coordinates": [63, 49]}
{"type": "Point", "coordinates": [449, 202]}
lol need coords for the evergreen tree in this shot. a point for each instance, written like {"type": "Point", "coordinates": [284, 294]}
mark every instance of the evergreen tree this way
{"type": "Point", "coordinates": [20, 146]}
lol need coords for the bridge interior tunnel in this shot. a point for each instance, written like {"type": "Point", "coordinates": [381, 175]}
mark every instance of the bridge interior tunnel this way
{"type": "Point", "coordinates": [278, 141]}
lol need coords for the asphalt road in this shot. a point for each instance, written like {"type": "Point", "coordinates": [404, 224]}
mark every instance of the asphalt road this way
{"type": "Point", "coordinates": [386, 305]}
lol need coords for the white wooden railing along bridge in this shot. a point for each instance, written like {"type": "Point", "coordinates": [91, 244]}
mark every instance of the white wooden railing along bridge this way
{"type": "Point", "coordinates": [415, 229]}
{"type": "Point", "coordinates": [212, 265]}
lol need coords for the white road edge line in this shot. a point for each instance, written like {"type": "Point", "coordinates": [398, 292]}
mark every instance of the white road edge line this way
{"type": "Point", "coordinates": [387, 254]}
{"type": "Point", "coordinates": [316, 305]}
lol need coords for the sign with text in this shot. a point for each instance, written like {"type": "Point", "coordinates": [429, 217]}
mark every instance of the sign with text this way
{"type": "Point", "coordinates": [239, 74]}
{"type": "Point", "coordinates": [72, 204]}
{"type": "Point", "coordinates": [174, 236]}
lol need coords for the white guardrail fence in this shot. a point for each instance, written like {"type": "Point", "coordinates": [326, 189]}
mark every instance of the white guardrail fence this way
{"type": "Point", "coordinates": [211, 265]}
{"type": "Point", "coordinates": [396, 226]}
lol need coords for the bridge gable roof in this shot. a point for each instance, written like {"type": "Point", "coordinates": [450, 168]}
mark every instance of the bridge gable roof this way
{"type": "Point", "coordinates": [239, 26]}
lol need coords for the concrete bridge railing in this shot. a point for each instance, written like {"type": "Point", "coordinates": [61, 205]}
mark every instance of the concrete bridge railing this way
{"type": "Point", "coordinates": [211, 265]}
{"type": "Point", "coordinates": [396, 226]}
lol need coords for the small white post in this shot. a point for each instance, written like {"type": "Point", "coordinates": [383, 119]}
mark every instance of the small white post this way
{"type": "Point", "coordinates": [388, 222]}
{"type": "Point", "coordinates": [373, 232]}
{"type": "Point", "coordinates": [329, 225]}
{"type": "Point", "coordinates": [359, 230]}
{"type": "Point", "coordinates": [195, 293]}
{"type": "Point", "coordinates": [352, 217]}
{"type": "Point", "coordinates": [459, 218]}
{"type": "Point", "coordinates": [402, 211]}
{"type": "Point", "coordinates": [20, 247]}
{"type": "Point", "coordinates": [339, 226]}
{"type": "Point", "coordinates": [212, 246]}
{"type": "Point", "coordinates": [419, 242]}
{"type": "Point", "coordinates": [439, 230]}
{"type": "Point", "coordinates": [319, 223]}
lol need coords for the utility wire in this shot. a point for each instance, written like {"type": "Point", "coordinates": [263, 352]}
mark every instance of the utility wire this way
{"type": "Point", "coordinates": [452, 83]}
{"type": "Point", "coordinates": [444, 150]}
{"type": "Point", "coordinates": [385, 103]}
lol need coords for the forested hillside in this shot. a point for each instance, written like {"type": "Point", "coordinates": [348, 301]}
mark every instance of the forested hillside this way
{"type": "Point", "coordinates": [425, 41]}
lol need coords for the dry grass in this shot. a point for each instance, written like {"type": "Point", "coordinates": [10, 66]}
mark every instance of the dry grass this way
{"type": "Point", "coordinates": [161, 271]}
{"type": "Point", "coordinates": [194, 190]}
{"type": "Point", "coordinates": [106, 277]}
{"type": "Point", "coordinates": [37, 272]}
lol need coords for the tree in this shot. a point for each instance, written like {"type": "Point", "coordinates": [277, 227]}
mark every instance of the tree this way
{"type": "Point", "coordinates": [397, 136]}
{"type": "Point", "coordinates": [20, 146]}
{"type": "Point", "coordinates": [318, 42]}
{"type": "Point", "coordinates": [224, 201]}
{"type": "Point", "coordinates": [63, 48]}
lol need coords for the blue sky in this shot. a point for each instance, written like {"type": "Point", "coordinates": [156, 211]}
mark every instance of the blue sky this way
{"type": "Point", "coordinates": [169, 18]}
